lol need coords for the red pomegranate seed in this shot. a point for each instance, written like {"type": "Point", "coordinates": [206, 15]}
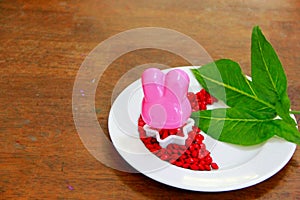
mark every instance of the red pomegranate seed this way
{"type": "Point", "coordinates": [149, 146]}
{"type": "Point", "coordinates": [141, 123]}
{"type": "Point", "coordinates": [169, 146]}
{"type": "Point", "coordinates": [207, 167]}
{"type": "Point", "coordinates": [187, 152]}
{"type": "Point", "coordinates": [200, 96]}
{"type": "Point", "coordinates": [195, 107]}
{"type": "Point", "coordinates": [201, 155]}
{"type": "Point", "coordinates": [196, 160]}
{"type": "Point", "coordinates": [158, 153]}
{"type": "Point", "coordinates": [204, 92]}
{"type": "Point", "coordinates": [180, 133]}
{"type": "Point", "coordinates": [194, 167]}
{"type": "Point", "coordinates": [153, 140]}
{"type": "Point", "coordinates": [147, 140]}
{"type": "Point", "coordinates": [209, 100]}
{"type": "Point", "coordinates": [196, 146]}
{"type": "Point", "coordinates": [199, 140]}
{"type": "Point", "coordinates": [186, 165]}
{"type": "Point", "coordinates": [191, 96]}
{"type": "Point", "coordinates": [196, 129]}
{"type": "Point", "coordinates": [193, 104]}
{"type": "Point", "coordinates": [199, 137]}
{"type": "Point", "coordinates": [169, 151]}
{"type": "Point", "coordinates": [182, 147]}
{"type": "Point", "coordinates": [202, 106]}
{"type": "Point", "coordinates": [179, 164]}
{"type": "Point", "coordinates": [195, 153]}
{"type": "Point", "coordinates": [153, 150]}
{"type": "Point", "coordinates": [201, 167]}
{"type": "Point", "coordinates": [156, 148]}
{"type": "Point", "coordinates": [202, 146]}
{"type": "Point", "coordinates": [214, 165]}
{"type": "Point", "coordinates": [175, 151]}
{"type": "Point", "coordinates": [175, 146]}
{"type": "Point", "coordinates": [188, 142]}
{"type": "Point", "coordinates": [181, 152]}
{"type": "Point", "coordinates": [165, 157]}
{"type": "Point", "coordinates": [190, 160]}
{"type": "Point", "coordinates": [174, 156]}
{"type": "Point", "coordinates": [191, 148]}
{"type": "Point", "coordinates": [172, 161]}
{"type": "Point", "coordinates": [208, 160]}
{"type": "Point", "coordinates": [192, 135]}
{"type": "Point", "coordinates": [155, 145]}
{"type": "Point", "coordinates": [163, 151]}
{"type": "Point", "coordinates": [165, 134]}
{"type": "Point", "coordinates": [142, 133]}
{"type": "Point", "coordinates": [173, 131]}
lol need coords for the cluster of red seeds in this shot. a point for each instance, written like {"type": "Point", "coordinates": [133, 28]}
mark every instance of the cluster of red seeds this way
{"type": "Point", "coordinates": [193, 155]}
{"type": "Point", "coordinates": [200, 100]}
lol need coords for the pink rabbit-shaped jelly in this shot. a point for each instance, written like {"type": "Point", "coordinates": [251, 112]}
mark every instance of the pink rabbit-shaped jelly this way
{"type": "Point", "coordinates": [165, 103]}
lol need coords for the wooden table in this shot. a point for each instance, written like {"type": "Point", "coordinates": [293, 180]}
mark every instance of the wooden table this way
{"type": "Point", "coordinates": [43, 44]}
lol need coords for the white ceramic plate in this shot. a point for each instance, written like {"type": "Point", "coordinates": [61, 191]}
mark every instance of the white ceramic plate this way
{"type": "Point", "coordinates": [239, 167]}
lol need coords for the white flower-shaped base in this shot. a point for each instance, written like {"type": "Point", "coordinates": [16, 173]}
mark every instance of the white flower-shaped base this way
{"type": "Point", "coordinates": [172, 139]}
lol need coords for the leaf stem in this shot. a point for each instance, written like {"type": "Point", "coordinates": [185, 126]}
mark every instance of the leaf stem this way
{"type": "Point", "coordinates": [296, 112]}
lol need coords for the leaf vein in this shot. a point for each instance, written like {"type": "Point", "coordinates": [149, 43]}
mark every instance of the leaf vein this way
{"type": "Point", "coordinates": [236, 119]}
{"type": "Point", "coordinates": [239, 91]}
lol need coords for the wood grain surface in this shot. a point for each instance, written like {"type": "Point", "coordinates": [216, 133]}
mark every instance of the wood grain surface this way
{"type": "Point", "coordinates": [42, 46]}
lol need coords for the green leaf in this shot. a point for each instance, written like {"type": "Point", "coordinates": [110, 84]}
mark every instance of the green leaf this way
{"type": "Point", "coordinates": [268, 77]}
{"type": "Point", "coordinates": [288, 132]}
{"type": "Point", "coordinates": [259, 109]}
{"type": "Point", "coordinates": [284, 114]}
{"type": "Point", "coordinates": [224, 80]}
{"type": "Point", "coordinates": [235, 126]}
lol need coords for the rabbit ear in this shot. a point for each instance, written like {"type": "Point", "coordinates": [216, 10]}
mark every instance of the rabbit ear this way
{"type": "Point", "coordinates": [153, 84]}
{"type": "Point", "coordinates": [177, 83]}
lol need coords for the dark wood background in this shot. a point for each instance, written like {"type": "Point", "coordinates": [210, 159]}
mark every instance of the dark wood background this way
{"type": "Point", "coordinates": [42, 45]}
